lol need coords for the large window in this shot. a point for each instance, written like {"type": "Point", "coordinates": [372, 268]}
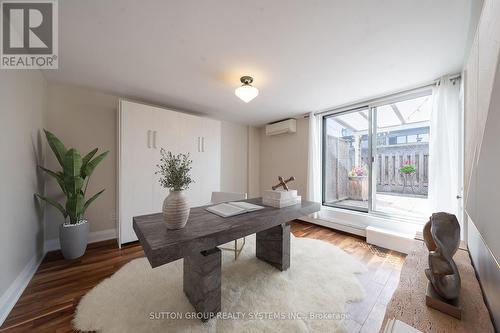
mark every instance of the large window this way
{"type": "Point", "coordinates": [375, 158]}
{"type": "Point", "coordinates": [345, 160]}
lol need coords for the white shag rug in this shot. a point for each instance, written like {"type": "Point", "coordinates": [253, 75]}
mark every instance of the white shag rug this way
{"type": "Point", "coordinates": [309, 297]}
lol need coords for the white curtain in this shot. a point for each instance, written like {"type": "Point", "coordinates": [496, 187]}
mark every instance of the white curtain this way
{"type": "Point", "coordinates": [444, 147]}
{"type": "Point", "coordinates": [314, 159]}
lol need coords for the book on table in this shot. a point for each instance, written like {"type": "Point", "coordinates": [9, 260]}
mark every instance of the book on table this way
{"type": "Point", "coordinates": [228, 209]}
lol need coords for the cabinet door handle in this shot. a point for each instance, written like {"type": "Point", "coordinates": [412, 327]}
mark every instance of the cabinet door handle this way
{"type": "Point", "coordinates": [154, 139]}
{"type": "Point", "coordinates": [149, 138]}
{"type": "Point", "coordinates": [199, 144]}
{"type": "Point", "coordinates": [203, 144]}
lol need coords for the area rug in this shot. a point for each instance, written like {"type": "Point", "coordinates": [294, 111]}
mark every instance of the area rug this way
{"type": "Point", "coordinates": [309, 297]}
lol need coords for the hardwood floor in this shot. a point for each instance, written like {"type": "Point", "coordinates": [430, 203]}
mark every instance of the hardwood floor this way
{"type": "Point", "coordinates": [49, 301]}
{"type": "Point", "coordinates": [380, 281]}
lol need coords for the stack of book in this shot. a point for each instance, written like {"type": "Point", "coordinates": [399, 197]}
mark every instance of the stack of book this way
{"type": "Point", "coordinates": [281, 198]}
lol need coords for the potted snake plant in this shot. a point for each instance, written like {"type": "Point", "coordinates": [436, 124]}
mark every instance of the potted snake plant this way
{"type": "Point", "coordinates": [73, 180]}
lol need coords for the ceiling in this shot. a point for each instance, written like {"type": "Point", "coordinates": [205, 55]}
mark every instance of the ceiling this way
{"type": "Point", "coordinates": [304, 55]}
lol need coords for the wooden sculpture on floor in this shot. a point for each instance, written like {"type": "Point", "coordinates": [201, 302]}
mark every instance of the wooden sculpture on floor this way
{"type": "Point", "coordinates": [442, 238]}
{"type": "Point", "coordinates": [283, 183]}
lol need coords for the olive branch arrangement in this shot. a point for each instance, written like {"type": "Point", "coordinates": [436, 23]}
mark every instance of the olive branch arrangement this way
{"type": "Point", "coordinates": [174, 170]}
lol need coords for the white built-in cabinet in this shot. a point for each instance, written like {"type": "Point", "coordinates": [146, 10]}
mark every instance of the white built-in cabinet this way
{"type": "Point", "coordinates": [143, 130]}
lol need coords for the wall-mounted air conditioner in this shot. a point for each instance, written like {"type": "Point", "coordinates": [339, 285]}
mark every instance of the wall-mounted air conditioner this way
{"type": "Point", "coordinates": [282, 127]}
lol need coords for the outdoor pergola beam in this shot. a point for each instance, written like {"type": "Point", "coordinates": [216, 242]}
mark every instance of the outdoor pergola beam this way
{"type": "Point", "coordinates": [344, 124]}
{"type": "Point", "coordinates": [398, 113]}
{"type": "Point", "coordinates": [397, 127]}
{"type": "Point", "coordinates": [362, 114]}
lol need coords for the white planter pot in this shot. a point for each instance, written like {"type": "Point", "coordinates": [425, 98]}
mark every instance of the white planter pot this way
{"type": "Point", "coordinates": [175, 210]}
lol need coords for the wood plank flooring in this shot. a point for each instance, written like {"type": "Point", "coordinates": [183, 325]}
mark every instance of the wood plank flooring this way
{"type": "Point", "coordinates": [49, 301]}
{"type": "Point", "coordinates": [380, 281]}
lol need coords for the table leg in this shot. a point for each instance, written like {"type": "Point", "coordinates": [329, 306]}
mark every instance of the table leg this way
{"type": "Point", "coordinates": [273, 246]}
{"type": "Point", "coordinates": [202, 281]}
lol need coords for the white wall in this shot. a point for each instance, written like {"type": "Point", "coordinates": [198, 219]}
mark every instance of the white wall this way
{"type": "Point", "coordinates": [22, 109]}
{"type": "Point", "coordinates": [479, 73]}
{"type": "Point", "coordinates": [485, 182]}
{"type": "Point", "coordinates": [285, 155]}
{"type": "Point", "coordinates": [234, 155]}
{"type": "Point", "coordinates": [254, 162]}
{"type": "Point", "coordinates": [86, 119]}
{"type": "Point", "coordinates": [240, 154]}
{"type": "Point", "coordinates": [482, 155]}
{"type": "Point", "coordinates": [484, 191]}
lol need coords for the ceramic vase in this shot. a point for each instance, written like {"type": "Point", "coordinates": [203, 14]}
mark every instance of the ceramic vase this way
{"type": "Point", "coordinates": [175, 210]}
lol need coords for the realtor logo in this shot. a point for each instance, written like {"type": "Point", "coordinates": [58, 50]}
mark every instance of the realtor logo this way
{"type": "Point", "coordinates": [29, 37]}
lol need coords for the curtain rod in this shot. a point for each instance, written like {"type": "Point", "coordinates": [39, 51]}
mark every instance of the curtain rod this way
{"type": "Point", "coordinates": [361, 103]}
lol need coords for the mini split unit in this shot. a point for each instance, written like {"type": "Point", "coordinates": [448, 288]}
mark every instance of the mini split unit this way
{"type": "Point", "coordinates": [282, 127]}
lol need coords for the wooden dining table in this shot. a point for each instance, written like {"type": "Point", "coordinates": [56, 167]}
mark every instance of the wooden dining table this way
{"type": "Point", "coordinates": [197, 243]}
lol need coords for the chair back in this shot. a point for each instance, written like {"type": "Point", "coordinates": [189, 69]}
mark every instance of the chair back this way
{"type": "Point", "coordinates": [218, 197]}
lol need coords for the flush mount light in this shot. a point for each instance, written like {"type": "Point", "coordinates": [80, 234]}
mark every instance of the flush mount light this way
{"type": "Point", "coordinates": [246, 92]}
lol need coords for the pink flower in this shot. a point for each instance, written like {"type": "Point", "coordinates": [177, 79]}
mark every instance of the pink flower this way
{"type": "Point", "coordinates": [359, 171]}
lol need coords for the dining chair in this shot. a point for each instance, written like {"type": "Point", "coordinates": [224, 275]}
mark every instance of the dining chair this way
{"type": "Point", "coordinates": [220, 197]}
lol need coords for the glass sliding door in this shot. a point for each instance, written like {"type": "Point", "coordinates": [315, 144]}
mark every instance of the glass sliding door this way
{"type": "Point", "coordinates": [376, 158]}
{"type": "Point", "coordinates": [401, 132]}
{"type": "Point", "coordinates": [346, 160]}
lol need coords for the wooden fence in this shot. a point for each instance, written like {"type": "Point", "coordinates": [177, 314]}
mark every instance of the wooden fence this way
{"type": "Point", "coordinates": [339, 160]}
{"type": "Point", "coordinates": [390, 158]}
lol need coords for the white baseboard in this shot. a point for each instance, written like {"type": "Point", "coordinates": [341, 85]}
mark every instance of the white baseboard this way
{"type": "Point", "coordinates": [96, 236]}
{"type": "Point", "coordinates": [389, 239]}
{"type": "Point", "coordinates": [337, 226]}
{"type": "Point", "coordinates": [390, 233]}
{"type": "Point", "coordinates": [16, 289]}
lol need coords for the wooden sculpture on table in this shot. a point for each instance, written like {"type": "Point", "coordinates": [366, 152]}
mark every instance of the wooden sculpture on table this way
{"type": "Point", "coordinates": [283, 183]}
{"type": "Point", "coordinates": [442, 238]}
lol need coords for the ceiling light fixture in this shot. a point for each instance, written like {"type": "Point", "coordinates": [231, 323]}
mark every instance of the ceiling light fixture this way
{"type": "Point", "coordinates": [246, 92]}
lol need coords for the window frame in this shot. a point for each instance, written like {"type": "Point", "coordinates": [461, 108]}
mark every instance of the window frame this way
{"type": "Point", "coordinates": [370, 106]}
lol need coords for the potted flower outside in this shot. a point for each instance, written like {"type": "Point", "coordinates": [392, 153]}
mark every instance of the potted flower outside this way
{"type": "Point", "coordinates": [73, 181]}
{"type": "Point", "coordinates": [174, 174]}
{"type": "Point", "coordinates": [357, 186]}
{"type": "Point", "coordinates": [408, 169]}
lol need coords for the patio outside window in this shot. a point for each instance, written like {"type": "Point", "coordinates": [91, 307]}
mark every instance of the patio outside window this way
{"type": "Point", "coordinates": [395, 136]}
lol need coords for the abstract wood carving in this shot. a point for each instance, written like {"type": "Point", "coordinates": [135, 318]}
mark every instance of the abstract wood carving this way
{"type": "Point", "coordinates": [443, 243]}
{"type": "Point", "coordinates": [283, 183]}
{"type": "Point", "coordinates": [442, 238]}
